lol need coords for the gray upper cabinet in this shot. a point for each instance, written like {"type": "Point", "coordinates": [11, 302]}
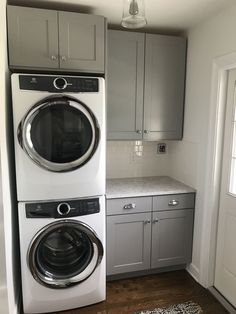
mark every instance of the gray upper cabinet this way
{"type": "Point", "coordinates": [81, 41]}
{"type": "Point", "coordinates": [164, 87]}
{"type": "Point", "coordinates": [32, 37]}
{"type": "Point", "coordinates": [58, 40]}
{"type": "Point", "coordinates": [146, 79]}
{"type": "Point", "coordinates": [125, 85]}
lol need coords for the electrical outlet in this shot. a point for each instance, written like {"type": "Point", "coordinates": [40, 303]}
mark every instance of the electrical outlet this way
{"type": "Point", "coordinates": [161, 148]}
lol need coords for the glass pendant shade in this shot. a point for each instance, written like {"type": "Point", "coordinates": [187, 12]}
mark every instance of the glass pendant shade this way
{"type": "Point", "coordinates": [133, 14]}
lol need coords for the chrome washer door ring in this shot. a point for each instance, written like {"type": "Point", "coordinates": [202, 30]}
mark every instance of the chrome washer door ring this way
{"type": "Point", "coordinates": [64, 253]}
{"type": "Point", "coordinates": [59, 133]}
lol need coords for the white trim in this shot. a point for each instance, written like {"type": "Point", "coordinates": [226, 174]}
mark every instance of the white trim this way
{"type": "Point", "coordinates": [214, 162]}
{"type": "Point", "coordinates": [222, 300]}
{"type": "Point", "coordinates": [193, 271]}
{"type": "Point", "coordinates": [17, 308]}
{"type": "Point", "coordinates": [3, 299]}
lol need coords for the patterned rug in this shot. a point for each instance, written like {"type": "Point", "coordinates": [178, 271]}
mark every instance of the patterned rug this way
{"type": "Point", "coordinates": [182, 308]}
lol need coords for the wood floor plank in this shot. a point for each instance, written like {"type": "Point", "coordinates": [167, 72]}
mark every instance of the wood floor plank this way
{"type": "Point", "coordinates": [128, 296]}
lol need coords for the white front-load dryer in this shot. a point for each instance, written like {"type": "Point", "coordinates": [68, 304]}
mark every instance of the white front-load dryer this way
{"type": "Point", "coordinates": [62, 247]}
{"type": "Point", "coordinates": [59, 136]}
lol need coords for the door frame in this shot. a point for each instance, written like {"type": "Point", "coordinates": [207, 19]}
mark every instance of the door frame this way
{"type": "Point", "coordinates": [221, 66]}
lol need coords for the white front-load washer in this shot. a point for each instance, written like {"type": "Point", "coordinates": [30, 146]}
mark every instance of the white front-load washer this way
{"type": "Point", "coordinates": [62, 254]}
{"type": "Point", "coordinates": [59, 136]}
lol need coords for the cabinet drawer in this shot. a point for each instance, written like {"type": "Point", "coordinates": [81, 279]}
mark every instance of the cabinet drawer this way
{"type": "Point", "coordinates": [129, 205]}
{"type": "Point", "coordinates": [174, 201]}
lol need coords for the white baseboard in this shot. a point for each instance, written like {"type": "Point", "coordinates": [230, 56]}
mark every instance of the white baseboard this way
{"type": "Point", "coordinates": [4, 305]}
{"type": "Point", "coordinates": [193, 271]}
{"type": "Point", "coordinates": [222, 300]}
{"type": "Point", "coordinates": [16, 309]}
{"type": "Point", "coordinates": [4, 300]}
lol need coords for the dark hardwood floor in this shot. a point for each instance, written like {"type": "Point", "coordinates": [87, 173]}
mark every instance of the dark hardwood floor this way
{"type": "Point", "coordinates": [145, 293]}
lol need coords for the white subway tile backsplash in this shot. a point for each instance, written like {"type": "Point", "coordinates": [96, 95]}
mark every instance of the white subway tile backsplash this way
{"type": "Point", "coordinates": [123, 160]}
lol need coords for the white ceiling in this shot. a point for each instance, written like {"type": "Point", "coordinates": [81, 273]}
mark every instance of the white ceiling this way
{"type": "Point", "coordinates": [162, 15]}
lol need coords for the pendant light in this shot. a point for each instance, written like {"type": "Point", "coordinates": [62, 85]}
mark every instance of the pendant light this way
{"type": "Point", "coordinates": [133, 14]}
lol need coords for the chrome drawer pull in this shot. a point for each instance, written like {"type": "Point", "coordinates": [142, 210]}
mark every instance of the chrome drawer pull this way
{"type": "Point", "coordinates": [173, 203]}
{"type": "Point", "coordinates": [155, 220]}
{"type": "Point", "coordinates": [146, 222]}
{"type": "Point", "coordinates": [129, 206]}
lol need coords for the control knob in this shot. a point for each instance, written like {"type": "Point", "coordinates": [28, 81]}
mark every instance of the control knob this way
{"type": "Point", "coordinates": [63, 209]}
{"type": "Point", "coordinates": [60, 83]}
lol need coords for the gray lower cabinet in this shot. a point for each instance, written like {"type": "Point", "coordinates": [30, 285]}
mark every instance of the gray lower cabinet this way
{"type": "Point", "coordinates": [49, 39]}
{"type": "Point", "coordinates": [148, 233]}
{"type": "Point", "coordinates": [128, 243]}
{"type": "Point", "coordinates": [146, 79]}
{"type": "Point", "coordinates": [171, 237]}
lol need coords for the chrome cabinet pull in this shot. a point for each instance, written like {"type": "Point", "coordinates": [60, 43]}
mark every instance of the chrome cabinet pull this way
{"type": "Point", "coordinates": [146, 222]}
{"type": "Point", "coordinates": [146, 131]}
{"type": "Point", "coordinates": [129, 206]}
{"type": "Point", "coordinates": [139, 131]}
{"type": "Point", "coordinates": [63, 58]}
{"type": "Point", "coordinates": [155, 220]}
{"type": "Point", "coordinates": [173, 203]}
{"type": "Point", "coordinates": [53, 57]}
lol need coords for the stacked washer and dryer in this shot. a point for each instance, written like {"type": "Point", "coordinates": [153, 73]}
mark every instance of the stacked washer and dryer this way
{"type": "Point", "coordinates": [59, 135]}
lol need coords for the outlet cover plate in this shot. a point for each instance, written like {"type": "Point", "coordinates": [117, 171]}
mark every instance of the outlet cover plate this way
{"type": "Point", "coordinates": [161, 148]}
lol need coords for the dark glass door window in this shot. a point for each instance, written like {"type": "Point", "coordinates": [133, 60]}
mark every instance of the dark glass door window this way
{"type": "Point", "coordinates": [64, 253]}
{"type": "Point", "coordinates": [61, 133]}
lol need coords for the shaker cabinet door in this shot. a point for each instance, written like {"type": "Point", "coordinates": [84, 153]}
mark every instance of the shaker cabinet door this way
{"type": "Point", "coordinates": [164, 87]}
{"type": "Point", "coordinates": [125, 85]}
{"type": "Point", "coordinates": [128, 243]}
{"type": "Point", "coordinates": [81, 42]}
{"type": "Point", "coordinates": [171, 237]}
{"type": "Point", "coordinates": [32, 37]}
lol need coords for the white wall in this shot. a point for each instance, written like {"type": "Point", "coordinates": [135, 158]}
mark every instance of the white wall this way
{"type": "Point", "coordinates": [3, 279]}
{"type": "Point", "coordinates": [213, 38]}
{"type": "Point", "coordinates": [3, 275]}
{"type": "Point", "coordinates": [122, 162]}
{"type": "Point", "coordinates": [9, 269]}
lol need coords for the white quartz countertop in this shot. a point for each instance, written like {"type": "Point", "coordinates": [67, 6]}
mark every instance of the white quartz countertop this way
{"type": "Point", "coordinates": [145, 186]}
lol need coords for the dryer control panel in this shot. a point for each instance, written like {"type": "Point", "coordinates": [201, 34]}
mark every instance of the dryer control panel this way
{"type": "Point", "coordinates": [63, 209]}
{"type": "Point", "coordinates": [58, 84]}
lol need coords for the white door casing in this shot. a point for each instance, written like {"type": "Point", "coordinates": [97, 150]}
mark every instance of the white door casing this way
{"type": "Point", "coordinates": [220, 67]}
{"type": "Point", "coordinates": [225, 268]}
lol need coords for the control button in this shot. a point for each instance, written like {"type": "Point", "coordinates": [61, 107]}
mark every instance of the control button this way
{"type": "Point", "coordinates": [63, 209]}
{"type": "Point", "coordinates": [91, 205]}
{"type": "Point", "coordinates": [60, 83]}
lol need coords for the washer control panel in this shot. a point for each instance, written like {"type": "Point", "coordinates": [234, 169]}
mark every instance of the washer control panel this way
{"type": "Point", "coordinates": [63, 209]}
